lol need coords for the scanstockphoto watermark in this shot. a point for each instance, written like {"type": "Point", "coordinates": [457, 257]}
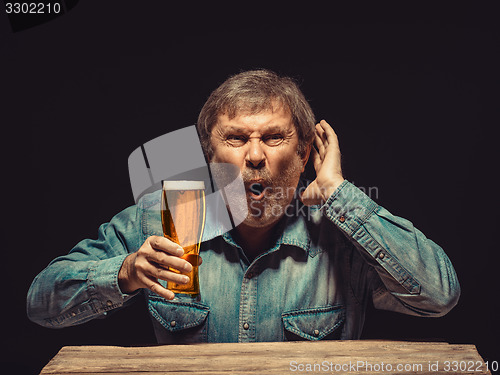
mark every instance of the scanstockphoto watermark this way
{"type": "Point", "coordinates": [356, 367]}
{"type": "Point", "coordinates": [274, 195]}
{"type": "Point", "coordinates": [425, 367]}
{"type": "Point", "coordinates": [371, 191]}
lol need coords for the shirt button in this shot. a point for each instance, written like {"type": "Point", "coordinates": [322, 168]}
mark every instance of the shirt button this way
{"type": "Point", "coordinates": [173, 323]}
{"type": "Point", "coordinates": [342, 219]}
{"type": "Point", "coordinates": [249, 275]}
{"type": "Point", "coordinates": [316, 332]}
{"type": "Point", "coordinates": [381, 255]}
{"type": "Point", "coordinates": [109, 303]}
{"type": "Point", "coordinates": [246, 326]}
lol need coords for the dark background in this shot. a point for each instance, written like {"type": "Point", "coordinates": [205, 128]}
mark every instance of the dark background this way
{"type": "Point", "coordinates": [412, 93]}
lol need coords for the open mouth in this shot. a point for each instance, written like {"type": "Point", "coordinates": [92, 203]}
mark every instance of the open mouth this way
{"type": "Point", "coordinates": [257, 191]}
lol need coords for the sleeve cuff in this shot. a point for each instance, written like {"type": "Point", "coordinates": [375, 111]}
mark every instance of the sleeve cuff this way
{"type": "Point", "coordinates": [103, 285]}
{"type": "Point", "coordinates": [348, 207]}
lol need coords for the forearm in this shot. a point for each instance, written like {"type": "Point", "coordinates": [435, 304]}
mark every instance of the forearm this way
{"type": "Point", "coordinates": [70, 292]}
{"type": "Point", "coordinates": [417, 276]}
{"type": "Point", "coordinates": [83, 284]}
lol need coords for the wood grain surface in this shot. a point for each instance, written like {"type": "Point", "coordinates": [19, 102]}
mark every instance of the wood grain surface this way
{"type": "Point", "coordinates": [327, 357]}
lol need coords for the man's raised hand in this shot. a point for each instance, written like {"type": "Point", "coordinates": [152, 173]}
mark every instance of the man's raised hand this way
{"type": "Point", "coordinates": [326, 159]}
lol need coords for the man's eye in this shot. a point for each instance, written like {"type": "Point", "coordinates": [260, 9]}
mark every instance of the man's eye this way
{"type": "Point", "coordinates": [236, 140]}
{"type": "Point", "coordinates": [273, 139]}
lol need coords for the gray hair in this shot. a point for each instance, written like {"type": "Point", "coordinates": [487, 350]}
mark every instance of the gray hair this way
{"type": "Point", "coordinates": [252, 92]}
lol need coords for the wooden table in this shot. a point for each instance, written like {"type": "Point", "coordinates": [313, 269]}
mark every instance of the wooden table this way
{"type": "Point", "coordinates": [327, 357]}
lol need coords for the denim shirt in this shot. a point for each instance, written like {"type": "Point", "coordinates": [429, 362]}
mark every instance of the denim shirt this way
{"type": "Point", "coordinates": [314, 283]}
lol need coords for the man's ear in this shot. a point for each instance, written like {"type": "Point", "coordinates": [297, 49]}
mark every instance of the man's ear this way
{"type": "Point", "coordinates": [305, 158]}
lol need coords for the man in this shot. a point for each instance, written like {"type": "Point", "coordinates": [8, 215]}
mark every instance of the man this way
{"type": "Point", "coordinates": [282, 274]}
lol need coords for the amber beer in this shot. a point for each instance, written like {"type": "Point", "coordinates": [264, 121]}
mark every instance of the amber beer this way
{"type": "Point", "coordinates": [183, 220]}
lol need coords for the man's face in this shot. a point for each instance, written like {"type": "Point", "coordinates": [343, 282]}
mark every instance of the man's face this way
{"type": "Point", "coordinates": [264, 147]}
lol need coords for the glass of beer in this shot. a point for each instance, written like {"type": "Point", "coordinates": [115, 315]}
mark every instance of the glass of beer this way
{"type": "Point", "coordinates": [183, 221]}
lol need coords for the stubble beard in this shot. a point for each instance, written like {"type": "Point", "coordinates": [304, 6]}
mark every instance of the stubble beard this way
{"type": "Point", "coordinates": [279, 192]}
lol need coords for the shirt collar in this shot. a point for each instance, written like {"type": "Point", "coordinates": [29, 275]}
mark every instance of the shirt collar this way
{"type": "Point", "coordinates": [295, 232]}
{"type": "Point", "coordinates": [294, 227]}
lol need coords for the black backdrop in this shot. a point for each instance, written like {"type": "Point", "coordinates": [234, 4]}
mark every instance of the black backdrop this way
{"type": "Point", "coordinates": [411, 93]}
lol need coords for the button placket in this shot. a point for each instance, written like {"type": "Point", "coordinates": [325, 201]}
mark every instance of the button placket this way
{"type": "Point", "coordinates": [248, 308]}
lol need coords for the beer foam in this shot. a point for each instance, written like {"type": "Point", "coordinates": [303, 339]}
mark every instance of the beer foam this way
{"type": "Point", "coordinates": [183, 185]}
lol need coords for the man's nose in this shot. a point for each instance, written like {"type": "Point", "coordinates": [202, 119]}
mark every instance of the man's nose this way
{"type": "Point", "coordinates": [255, 157]}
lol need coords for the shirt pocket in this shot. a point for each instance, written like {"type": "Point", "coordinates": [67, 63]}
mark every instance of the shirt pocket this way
{"type": "Point", "coordinates": [320, 323]}
{"type": "Point", "coordinates": [184, 322]}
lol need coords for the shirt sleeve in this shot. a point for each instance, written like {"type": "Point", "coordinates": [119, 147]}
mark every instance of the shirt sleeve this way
{"type": "Point", "coordinates": [411, 274]}
{"type": "Point", "coordinates": [83, 284]}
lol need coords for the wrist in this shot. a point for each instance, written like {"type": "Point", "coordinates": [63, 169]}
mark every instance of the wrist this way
{"type": "Point", "coordinates": [329, 188]}
{"type": "Point", "coordinates": [125, 282]}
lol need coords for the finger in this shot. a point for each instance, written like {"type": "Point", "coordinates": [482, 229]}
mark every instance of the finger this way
{"type": "Point", "coordinates": [321, 133]}
{"type": "Point", "coordinates": [153, 285]}
{"type": "Point", "coordinates": [165, 245]}
{"type": "Point", "coordinates": [316, 159]}
{"type": "Point", "coordinates": [158, 272]}
{"type": "Point", "coordinates": [330, 134]}
{"type": "Point", "coordinates": [167, 261]}
{"type": "Point", "coordinates": [319, 129]}
{"type": "Point", "coordinates": [320, 146]}
{"type": "Point", "coordinates": [315, 142]}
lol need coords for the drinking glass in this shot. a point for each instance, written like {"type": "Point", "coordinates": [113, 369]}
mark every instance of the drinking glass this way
{"type": "Point", "coordinates": [183, 221]}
